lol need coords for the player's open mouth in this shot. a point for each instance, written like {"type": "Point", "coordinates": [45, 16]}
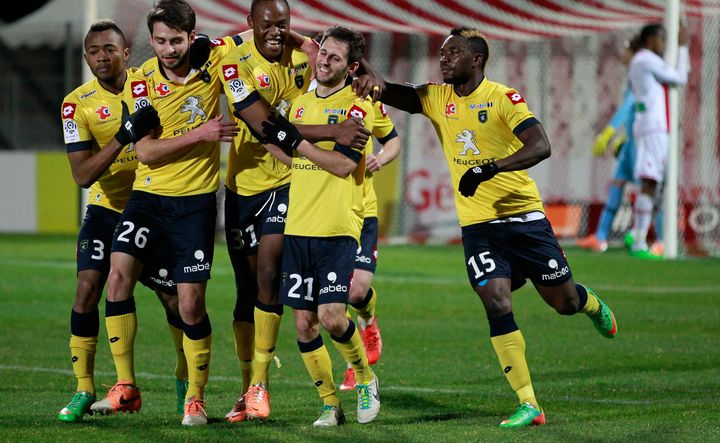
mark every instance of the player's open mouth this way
{"type": "Point", "coordinates": [274, 44]}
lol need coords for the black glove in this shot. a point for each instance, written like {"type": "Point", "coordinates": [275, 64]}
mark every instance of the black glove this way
{"type": "Point", "coordinates": [474, 176]}
{"type": "Point", "coordinates": [135, 126]}
{"type": "Point", "coordinates": [200, 51]}
{"type": "Point", "coordinates": [282, 133]}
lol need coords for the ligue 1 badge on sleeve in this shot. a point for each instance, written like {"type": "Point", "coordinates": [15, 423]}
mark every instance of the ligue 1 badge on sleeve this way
{"type": "Point", "coordinates": [482, 116]}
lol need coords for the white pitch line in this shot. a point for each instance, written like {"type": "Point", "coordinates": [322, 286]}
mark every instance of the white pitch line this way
{"type": "Point", "coordinates": [439, 281]}
{"type": "Point", "coordinates": [410, 389]}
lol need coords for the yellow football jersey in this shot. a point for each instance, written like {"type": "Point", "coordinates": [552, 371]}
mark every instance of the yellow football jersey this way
{"type": "Point", "coordinates": [181, 107]}
{"type": "Point", "coordinates": [91, 116]}
{"type": "Point", "coordinates": [247, 76]}
{"type": "Point", "coordinates": [323, 204]}
{"type": "Point", "coordinates": [384, 130]}
{"type": "Point", "coordinates": [477, 129]}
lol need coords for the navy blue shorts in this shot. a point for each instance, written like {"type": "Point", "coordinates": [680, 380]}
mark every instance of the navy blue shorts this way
{"type": "Point", "coordinates": [247, 218]}
{"type": "Point", "coordinates": [184, 225]}
{"type": "Point", "coordinates": [316, 270]}
{"type": "Point", "coordinates": [95, 239]}
{"type": "Point", "coordinates": [517, 250]}
{"type": "Point", "coordinates": [366, 256]}
{"type": "Point", "coordinates": [96, 234]}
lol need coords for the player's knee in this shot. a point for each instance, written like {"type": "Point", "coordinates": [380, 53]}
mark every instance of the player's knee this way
{"type": "Point", "coordinates": [87, 296]}
{"type": "Point", "coordinates": [358, 292]}
{"type": "Point", "coordinates": [306, 329]}
{"type": "Point", "coordinates": [333, 323]}
{"type": "Point", "coordinates": [119, 285]}
{"type": "Point", "coordinates": [495, 303]}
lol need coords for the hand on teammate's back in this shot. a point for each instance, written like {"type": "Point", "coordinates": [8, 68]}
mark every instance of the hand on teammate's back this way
{"type": "Point", "coordinates": [352, 132]}
{"type": "Point", "coordinates": [472, 178]}
{"type": "Point", "coordinates": [137, 125]}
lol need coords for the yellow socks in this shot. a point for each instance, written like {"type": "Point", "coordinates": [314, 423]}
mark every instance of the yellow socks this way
{"type": "Point", "coordinates": [196, 342]}
{"type": "Point", "coordinates": [366, 308]}
{"type": "Point", "coordinates": [510, 349]}
{"type": "Point", "coordinates": [244, 333]}
{"type": "Point", "coordinates": [319, 366]}
{"type": "Point", "coordinates": [181, 369]}
{"type": "Point", "coordinates": [589, 304]}
{"type": "Point", "coordinates": [121, 331]}
{"type": "Point", "coordinates": [83, 361]}
{"type": "Point", "coordinates": [352, 349]}
{"type": "Point", "coordinates": [267, 326]}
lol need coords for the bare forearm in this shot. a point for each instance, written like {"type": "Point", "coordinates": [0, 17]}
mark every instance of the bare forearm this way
{"type": "Point", "coordinates": [332, 161]}
{"type": "Point", "coordinates": [156, 150]}
{"type": "Point", "coordinates": [87, 168]}
{"type": "Point", "coordinates": [389, 152]}
{"type": "Point", "coordinates": [317, 133]}
{"type": "Point", "coordinates": [535, 149]}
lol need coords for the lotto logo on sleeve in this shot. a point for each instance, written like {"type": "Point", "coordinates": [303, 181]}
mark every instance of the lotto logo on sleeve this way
{"type": "Point", "coordinates": [139, 89]}
{"type": "Point", "coordinates": [68, 110]}
{"type": "Point", "coordinates": [383, 111]}
{"type": "Point", "coordinates": [230, 72]}
{"type": "Point", "coordinates": [217, 42]}
{"type": "Point", "coordinates": [357, 111]}
{"type": "Point", "coordinates": [515, 97]}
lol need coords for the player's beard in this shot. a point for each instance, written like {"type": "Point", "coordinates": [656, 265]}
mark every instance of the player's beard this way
{"type": "Point", "coordinates": [338, 77]}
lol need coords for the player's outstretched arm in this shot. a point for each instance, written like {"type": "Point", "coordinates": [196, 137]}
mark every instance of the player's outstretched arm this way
{"type": "Point", "coordinates": [286, 136]}
{"type": "Point", "coordinates": [351, 132]}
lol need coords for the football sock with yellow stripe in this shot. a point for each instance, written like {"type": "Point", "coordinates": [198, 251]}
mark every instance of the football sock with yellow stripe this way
{"type": "Point", "coordinates": [319, 366]}
{"type": "Point", "coordinates": [84, 330]}
{"type": "Point", "coordinates": [267, 327]}
{"type": "Point", "coordinates": [509, 345]}
{"type": "Point", "coordinates": [244, 333]}
{"type": "Point", "coordinates": [121, 324]}
{"type": "Point", "coordinates": [366, 308]}
{"type": "Point", "coordinates": [175, 325]}
{"type": "Point", "coordinates": [589, 304]}
{"type": "Point", "coordinates": [196, 342]}
{"type": "Point", "coordinates": [352, 349]}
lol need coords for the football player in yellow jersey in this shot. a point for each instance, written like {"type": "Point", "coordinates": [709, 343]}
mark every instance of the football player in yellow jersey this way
{"type": "Point", "coordinates": [259, 76]}
{"type": "Point", "coordinates": [323, 225]}
{"type": "Point", "coordinates": [172, 202]}
{"type": "Point", "coordinates": [489, 138]}
{"type": "Point", "coordinates": [363, 296]}
{"type": "Point", "coordinates": [102, 158]}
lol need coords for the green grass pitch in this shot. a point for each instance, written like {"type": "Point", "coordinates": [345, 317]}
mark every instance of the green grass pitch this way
{"type": "Point", "coordinates": [658, 380]}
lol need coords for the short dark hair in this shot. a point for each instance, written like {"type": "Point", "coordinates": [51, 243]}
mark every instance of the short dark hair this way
{"type": "Point", "coordinates": [106, 25]}
{"type": "Point", "coordinates": [649, 31]}
{"type": "Point", "coordinates": [176, 14]}
{"type": "Point", "coordinates": [354, 40]}
{"type": "Point", "coordinates": [476, 40]}
{"type": "Point", "coordinates": [255, 4]}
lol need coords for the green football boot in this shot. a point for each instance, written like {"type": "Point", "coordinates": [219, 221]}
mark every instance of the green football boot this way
{"type": "Point", "coordinates": [603, 319]}
{"type": "Point", "coordinates": [526, 415]}
{"type": "Point", "coordinates": [645, 254]}
{"type": "Point", "coordinates": [181, 386]}
{"type": "Point", "coordinates": [77, 408]}
{"type": "Point", "coordinates": [629, 240]}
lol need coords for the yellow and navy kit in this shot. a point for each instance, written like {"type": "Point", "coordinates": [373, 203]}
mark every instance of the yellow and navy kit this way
{"type": "Point", "coordinates": [323, 204]}
{"type": "Point", "coordinates": [475, 130]}
{"type": "Point", "coordinates": [91, 115]}
{"type": "Point", "coordinates": [182, 107]}
{"type": "Point", "coordinates": [384, 130]}
{"type": "Point", "coordinates": [247, 77]}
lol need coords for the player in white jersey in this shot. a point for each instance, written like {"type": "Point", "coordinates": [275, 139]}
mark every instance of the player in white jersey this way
{"type": "Point", "coordinates": [650, 77]}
